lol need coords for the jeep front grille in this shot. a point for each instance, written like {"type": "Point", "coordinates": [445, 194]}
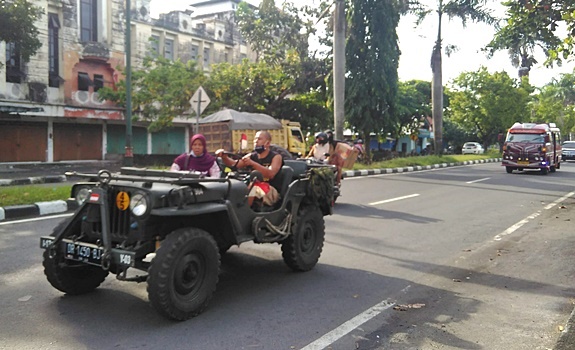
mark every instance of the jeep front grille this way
{"type": "Point", "coordinates": [119, 219]}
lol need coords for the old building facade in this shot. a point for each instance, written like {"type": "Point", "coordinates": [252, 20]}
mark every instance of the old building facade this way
{"type": "Point", "coordinates": [49, 106]}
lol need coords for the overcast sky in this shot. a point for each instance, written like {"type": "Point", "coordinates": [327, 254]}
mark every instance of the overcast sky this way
{"type": "Point", "coordinates": [416, 45]}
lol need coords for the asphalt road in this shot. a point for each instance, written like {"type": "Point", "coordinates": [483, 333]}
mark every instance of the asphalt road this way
{"type": "Point", "coordinates": [456, 258]}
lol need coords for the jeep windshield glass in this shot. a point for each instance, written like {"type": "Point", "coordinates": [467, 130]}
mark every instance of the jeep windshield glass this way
{"type": "Point", "coordinates": [527, 138]}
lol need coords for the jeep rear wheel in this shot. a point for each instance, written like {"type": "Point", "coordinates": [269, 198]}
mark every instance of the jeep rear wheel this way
{"type": "Point", "coordinates": [301, 250]}
{"type": "Point", "coordinates": [184, 274]}
{"type": "Point", "coordinates": [71, 277]}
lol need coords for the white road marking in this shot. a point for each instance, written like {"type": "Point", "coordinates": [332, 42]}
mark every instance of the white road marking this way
{"type": "Point", "coordinates": [348, 326]}
{"type": "Point", "coordinates": [474, 181]}
{"type": "Point", "coordinates": [522, 222]}
{"type": "Point", "coordinates": [395, 199]}
{"type": "Point", "coordinates": [35, 219]}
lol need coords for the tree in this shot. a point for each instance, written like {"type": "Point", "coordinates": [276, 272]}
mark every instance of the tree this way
{"type": "Point", "coordinates": [272, 32]}
{"type": "Point", "coordinates": [413, 105]}
{"type": "Point", "coordinates": [280, 39]}
{"type": "Point", "coordinates": [486, 104]}
{"type": "Point", "coordinates": [161, 91]}
{"type": "Point", "coordinates": [268, 88]}
{"type": "Point", "coordinates": [556, 103]}
{"type": "Point", "coordinates": [372, 56]}
{"type": "Point", "coordinates": [18, 26]}
{"type": "Point", "coordinates": [542, 22]}
{"type": "Point", "coordinates": [474, 10]}
{"type": "Point", "coordinates": [521, 35]}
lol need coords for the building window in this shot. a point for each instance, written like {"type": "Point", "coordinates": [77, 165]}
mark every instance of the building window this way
{"type": "Point", "coordinates": [88, 20]}
{"type": "Point", "coordinates": [98, 82]}
{"type": "Point", "coordinates": [169, 49]}
{"type": "Point", "coordinates": [84, 81]}
{"type": "Point", "coordinates": [14, 72]}
{"type": "Point", "coordinates": [195, 50]}
{"type": "Point", "coordinates": [53, 50]}
{"type": "Point", "coordinates": [206, 56]}
{"type": "Point", "coordinates": [154, 46]}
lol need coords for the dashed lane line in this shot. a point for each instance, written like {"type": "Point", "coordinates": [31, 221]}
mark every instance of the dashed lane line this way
{"type": "Point", "coordinates": [395, 199]}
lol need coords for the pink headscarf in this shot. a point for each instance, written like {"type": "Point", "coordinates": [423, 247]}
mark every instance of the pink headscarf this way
{"type": "Point", "coordinates": [203, 162]}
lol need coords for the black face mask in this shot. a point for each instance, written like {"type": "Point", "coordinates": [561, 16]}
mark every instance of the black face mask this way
{"type": "Point", "coordinates": [321, 141]}
{"type": "Point", "coordinates": [259, 149]}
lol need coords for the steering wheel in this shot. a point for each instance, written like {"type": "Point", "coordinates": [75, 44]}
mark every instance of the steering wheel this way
{"type": "Point", "coordinates": [240, 174]}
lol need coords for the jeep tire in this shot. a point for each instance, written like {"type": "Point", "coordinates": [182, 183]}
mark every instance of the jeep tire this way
{"type": "Point", "coordinates": [70, 277]}
{"type": "Point", "coordinates": [301, 250]}
{"type": "Point", "coordinates": [183, 275]}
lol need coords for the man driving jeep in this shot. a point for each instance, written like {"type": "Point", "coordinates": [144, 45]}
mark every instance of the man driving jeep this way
{"type": "Point", "coordinates": [263, 161]}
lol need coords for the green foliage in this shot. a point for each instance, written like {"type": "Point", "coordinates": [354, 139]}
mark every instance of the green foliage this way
{"type": "Point", "coordinates": [161, 91]}
{"type": "Point", "coordinates": [372, 56]}
{"type": "Point", "coordinates": [486, 104]}
{"type": "Point", "coordinates": [556, 103]}
{"type": "Point", "coordinates": [413, 105]}
{"type": "Point", "coordinates": [454, 135]}
{"type": "Point", "coordinates": [464, 10]}
{"type": "Point", "coordinates": [531, 23]}
{"type": "Point", "coordinates": [250, 87]}
{"type": "Point", "coordinates": [521, 34]}
{"type": "Point", "coordinates": [268, 88]}
{"type": "Point", "coordinates": [18, 20]}
{"type": "Point", "coordinates": [272, 32]}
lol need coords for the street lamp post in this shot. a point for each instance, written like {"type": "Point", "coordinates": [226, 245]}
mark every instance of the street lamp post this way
{"type": "Point", "coordinates": [339, 68]}
{"type": "Point", "coordinates": [129, 154]}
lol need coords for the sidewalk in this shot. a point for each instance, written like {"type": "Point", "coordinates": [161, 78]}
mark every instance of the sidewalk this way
{"type": "Point", "coordinates": [15, 174]}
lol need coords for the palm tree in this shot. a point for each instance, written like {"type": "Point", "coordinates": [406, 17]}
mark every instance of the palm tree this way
{"type": "Point", "coordinates": [465, 10]}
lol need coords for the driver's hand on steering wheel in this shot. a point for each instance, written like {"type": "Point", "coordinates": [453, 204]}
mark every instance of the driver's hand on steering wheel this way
{"type": "Point", "coordinates": [245, 161]}
{"type": "Point", "coordinates": [219, 152]}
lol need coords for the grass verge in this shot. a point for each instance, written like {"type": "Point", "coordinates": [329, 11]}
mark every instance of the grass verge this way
{"type": "Point", "coordinates": [17, 195]}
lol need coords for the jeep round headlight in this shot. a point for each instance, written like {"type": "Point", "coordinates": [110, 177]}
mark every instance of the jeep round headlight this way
{"type": "Point", "coordinates": [139, 204]}
{"type": "Point", "coordinates": [81, 195]}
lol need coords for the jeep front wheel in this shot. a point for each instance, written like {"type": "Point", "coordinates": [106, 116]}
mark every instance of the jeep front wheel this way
{"type": "Point", "coordinates": [71, 277]}
{"type": "Point", "coordinates": [301, 250]}
{"type": "Point", "coordinates": [184, 274]}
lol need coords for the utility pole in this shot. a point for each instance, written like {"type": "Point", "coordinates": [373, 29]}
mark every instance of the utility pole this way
{"type": "Point", "coordinates": [129, 153]}
{"type": "Point", "coordinates": [339, 68]}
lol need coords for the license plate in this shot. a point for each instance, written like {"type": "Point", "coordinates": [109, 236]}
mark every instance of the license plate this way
{"type": "Point", "coordinates": [523, 162]}
{"type": "Point", "coordinates": [89, 253]}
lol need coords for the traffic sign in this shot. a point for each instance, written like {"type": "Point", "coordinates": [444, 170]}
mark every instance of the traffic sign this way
{"type": "Point", "coordinates": [199, 101]}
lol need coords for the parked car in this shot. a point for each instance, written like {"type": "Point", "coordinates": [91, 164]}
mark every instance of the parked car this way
{"type": "Point", "coordinates": [472, 148]}
{"type": "Point", "coordinates": [568, 150]}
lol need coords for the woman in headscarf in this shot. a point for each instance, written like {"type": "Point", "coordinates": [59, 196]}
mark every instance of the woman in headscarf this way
{"type": "Point", "coordinates": [198, 159]}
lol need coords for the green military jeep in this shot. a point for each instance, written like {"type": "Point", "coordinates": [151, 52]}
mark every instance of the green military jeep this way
{"type": "Point", "coordinates": [174, 227]}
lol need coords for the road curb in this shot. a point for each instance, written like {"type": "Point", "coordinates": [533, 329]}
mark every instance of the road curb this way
{"type": "Point", "coordinates": [13, 212]}
{"type": "Point", "coordinates": [567, 337]}
{"type": "Point", "coordinates": [33, 180]}
{"type": "Point", "coordinates": [366, 172]}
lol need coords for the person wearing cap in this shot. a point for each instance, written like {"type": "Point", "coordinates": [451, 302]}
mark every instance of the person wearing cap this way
{"type": "Point", "coordinates": [198, 159]}
{"type": "Point", "coordinates": [265, 164]}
